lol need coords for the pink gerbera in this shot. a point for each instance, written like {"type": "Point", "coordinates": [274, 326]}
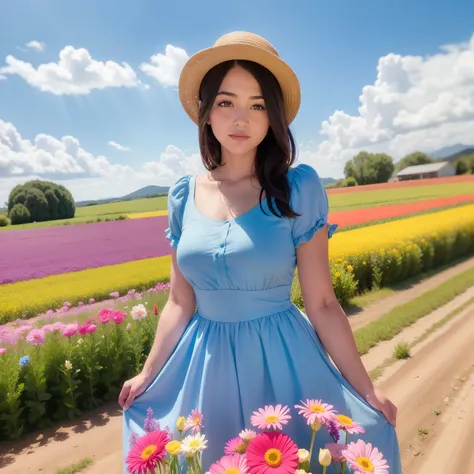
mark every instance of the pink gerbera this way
{"type": "Point", "coordinates": [36, 337]}
{"type": "Point", "coordinates": [235, 445]}
{"type": "Point", "coordinates": [147, 452]}
{"type": "Point", "coordinates": [194, 421]}
{"type": "Point", "coordinates": [347, 424]}
{"type": "Point", "coordinates": [272, 452]}
{"type": "Point", "coordinates": [314, 410]}
{"type": "Point", "coordinates": [234, 464]}
{"type": "Point", "coordinates": [365, 459]}
{"type": "Point", "coordinates": [270, 417]}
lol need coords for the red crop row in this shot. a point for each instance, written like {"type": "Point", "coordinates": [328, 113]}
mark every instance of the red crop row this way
{"type": "Point", "coordinates": [370, 214]}
{"type": "Point", "coordinates": [465, 178]}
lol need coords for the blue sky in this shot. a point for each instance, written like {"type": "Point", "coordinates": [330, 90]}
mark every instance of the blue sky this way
{"type": "Point", "coordinates": [424, 97]}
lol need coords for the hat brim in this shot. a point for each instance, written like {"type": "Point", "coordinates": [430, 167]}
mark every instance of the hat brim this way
{"type": "Point", "coordinates": [200, 63]}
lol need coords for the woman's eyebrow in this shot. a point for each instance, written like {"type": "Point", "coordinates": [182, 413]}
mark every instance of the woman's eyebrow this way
{"type": "Point", "coordinates": [231, 94]}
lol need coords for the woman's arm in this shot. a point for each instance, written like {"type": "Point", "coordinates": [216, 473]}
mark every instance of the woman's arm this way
{"type": "Point", "coordinates": [174, 318]}
{"type": "Point", "coordinates": [330, 322]}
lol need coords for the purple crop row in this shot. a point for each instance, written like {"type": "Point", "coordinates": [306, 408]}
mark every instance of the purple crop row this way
{"type": "Point", "coordinates": [36, 253]}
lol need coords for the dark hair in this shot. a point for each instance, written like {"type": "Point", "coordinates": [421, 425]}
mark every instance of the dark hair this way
{"type": "Point", "coordinates": [275, 154]}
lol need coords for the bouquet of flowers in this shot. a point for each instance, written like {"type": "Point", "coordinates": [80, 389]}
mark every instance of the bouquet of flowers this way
{"type": "Point", "coordinates": [262, 450]}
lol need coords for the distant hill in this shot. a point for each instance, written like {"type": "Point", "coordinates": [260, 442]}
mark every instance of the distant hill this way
{"type": "Point", "coordinates": [326, 181]}
{"type": "Point", "coordinates": [146, 191]}
{"type": "Point", "coordinates": [452, 153]}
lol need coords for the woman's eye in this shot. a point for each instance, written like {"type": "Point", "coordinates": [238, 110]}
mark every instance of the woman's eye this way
{"type": "Point", "coordinates": [224, 103]}
{"type": "Point", "coordinates": [259, 106]}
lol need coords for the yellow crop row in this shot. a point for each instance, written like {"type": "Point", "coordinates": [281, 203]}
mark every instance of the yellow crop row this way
{"type": "Point", "coordinates": [141, 215]}
{"type": "Point", "coordinates": [25, 299]}
{"type": "Point", "coordinates": [397, 233]}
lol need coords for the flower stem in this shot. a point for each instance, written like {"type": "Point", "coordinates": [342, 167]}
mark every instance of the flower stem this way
{"type": "Point", "coordinates": [324, 469]}
{"type": "Point", "coordinates": [313, 436]}
{"type": "Point", "coordinates": [198, 464]}
{"type": "Point", "coordinates": [347, 437]}
{"type": "Point", "coordinates": [343, 467]}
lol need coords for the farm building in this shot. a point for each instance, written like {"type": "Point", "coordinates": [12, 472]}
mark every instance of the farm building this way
{"type": "Point", "coordinates": [430, 170]}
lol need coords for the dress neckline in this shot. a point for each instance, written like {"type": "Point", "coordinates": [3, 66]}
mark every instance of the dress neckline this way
{"type": "Point", "coordinates": [192, 195]}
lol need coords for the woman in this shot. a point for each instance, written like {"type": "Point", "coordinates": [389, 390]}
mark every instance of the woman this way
{"type": "Point", "coordinates": [237, 234]}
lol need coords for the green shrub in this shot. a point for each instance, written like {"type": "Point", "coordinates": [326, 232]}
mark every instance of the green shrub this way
{"type": "Point", "coordinates": [20, 214]}
{"type": "Point", "coordinates": [4, 222]}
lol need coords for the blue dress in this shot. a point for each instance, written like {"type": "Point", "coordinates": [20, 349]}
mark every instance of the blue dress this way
{"type": "Point", "coordinates": [248, 345]}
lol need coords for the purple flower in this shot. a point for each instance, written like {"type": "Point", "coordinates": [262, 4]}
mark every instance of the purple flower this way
{"type": "Point", "coordinates": [150, 423]}
{"type": "Point", "coordinates": [332, 430]}
{"type": "Point", "coordinates": [133, 439]}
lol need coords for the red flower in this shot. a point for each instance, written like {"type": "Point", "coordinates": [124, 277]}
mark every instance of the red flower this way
{"type": "Point", "coordinates": [272, 453]}
{"type": "Point", "coordinates": [155, 309]}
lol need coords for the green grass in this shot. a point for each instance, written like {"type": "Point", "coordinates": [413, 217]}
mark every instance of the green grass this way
{"type": "Point", "coordinates": [392, 323]}
{"type": "Point", "coordinates": [402, 350]}
{"type": "Point", "coordinates": [357, 200]}
{"type": "Point", "coordinates": [75, 467]}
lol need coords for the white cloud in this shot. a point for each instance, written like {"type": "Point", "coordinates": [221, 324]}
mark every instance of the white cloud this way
{"type": "Point", "coordinates": [85, 175]}
{"type": "Point", "coordinates": [166, 68]}
{"type": "Point", "coordinates": [36, 45]}
{"type": "Point", "coordinates": [415, 103]}
{"type": "Point", "coordinates": [118, 147]}
{"type": "Point", "coordinates": [75, 73]}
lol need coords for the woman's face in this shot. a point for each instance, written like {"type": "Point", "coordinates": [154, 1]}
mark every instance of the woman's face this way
{"type": "Point", "coordinates": [238, 117]}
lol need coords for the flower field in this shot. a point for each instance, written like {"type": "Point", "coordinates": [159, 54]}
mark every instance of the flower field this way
{"type": "Point", "coordinates": [72, 360]}
{"type": "Point", "coordinates": [361, 259]}
{"type": "Point", "coordinates": [28, 254]}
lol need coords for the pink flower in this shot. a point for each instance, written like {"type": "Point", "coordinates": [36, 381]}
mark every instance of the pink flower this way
{"type": "Point", "coordinates": [272, 452]}
{"type": "Point", "coordinates": [83, 329]}
{"type": "Point", "coordinates": [365, 459]}
{"type": "Point", "coordinates": [345, 423]}
{"type": "Point", "coordinates": [147, 452]}
{"type": "Point", "coordinates": [91, 301]}
{"type": "Point", "coordinates": [91, 328]}
{"type": "Point", "coordinates": [316, 410]}
{"type": "Point", "coordinates": [105, 315]}
{"type": "Point", "coordinates": [194, 421]}
{"type": "Point", "coordinates": [69, 330]}
{"type": "Point", "coordinates": [36, 337]}
{"type": "Point", "coordinates": [3, 350]}
{"type": "Point", "coordinates": [118, 316]}
{"type": "Point", "coordinates": [336, 451]}
{"type": "Point", "coordinates": [270, 417]}
{"type": "Point", "coordinates": [234, 464]}
{"type": "Point", "coordinates": [235, 445]}
{"type": "Point", "coordinates": [115, 294]}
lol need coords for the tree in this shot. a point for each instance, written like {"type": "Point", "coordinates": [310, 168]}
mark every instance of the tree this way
{"type": "Point", "coordinates": [369, 168]}
{"type": "Point", "coordinates": [414, 159]}
{"type": "Point", "coordinates": [44, 201]}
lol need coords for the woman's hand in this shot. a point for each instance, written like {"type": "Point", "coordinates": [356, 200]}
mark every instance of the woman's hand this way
{"type": "Point", "coordinates": [380, 402]}
{"type": "Point", "coordinates": [131, 389]}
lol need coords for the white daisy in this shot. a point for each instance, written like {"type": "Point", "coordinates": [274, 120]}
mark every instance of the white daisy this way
{"type": "Point", "coordinates": [193, 444]}
{"type": "Point", "coordinates": [247, 435]}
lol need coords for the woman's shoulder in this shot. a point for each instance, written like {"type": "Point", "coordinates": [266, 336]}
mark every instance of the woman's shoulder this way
{"type": "Point", "coordinates": [303, 177]}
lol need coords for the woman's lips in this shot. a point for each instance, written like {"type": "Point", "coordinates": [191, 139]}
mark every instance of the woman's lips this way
{"type": "Point", "coordinates": [239, 138]}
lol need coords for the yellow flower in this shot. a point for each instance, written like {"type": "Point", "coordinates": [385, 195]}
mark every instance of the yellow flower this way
{"type": "Point", "coordinates": [181, 423]}
{"type": "Point", "coordinates": [350, 268]}
{"type": "Point", "coordinates": [337, 274]}
{"type": "Point", "coordinates": [364, 263]}
{"type": "Point", "coordinates": [173, 447]}
{"type": "Point", "coordinates": [325, 457]}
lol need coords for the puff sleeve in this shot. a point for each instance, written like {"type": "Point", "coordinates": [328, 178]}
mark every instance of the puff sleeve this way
{"type": "Point", "coordinates": [308, 199]}
{"type": "Point", "coordinates": [177, 196]}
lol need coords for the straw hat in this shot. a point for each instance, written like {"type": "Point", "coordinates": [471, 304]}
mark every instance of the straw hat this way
{"type": "Point", "coordinates": [237, 45]}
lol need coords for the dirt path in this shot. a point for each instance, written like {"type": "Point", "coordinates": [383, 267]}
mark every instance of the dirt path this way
{"type": "Point", "coordinates": [418, 386]}
{"type": "Point", "coordinates": [379, 308]}
{"type": "Point", "coordinates": [430, 381]}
